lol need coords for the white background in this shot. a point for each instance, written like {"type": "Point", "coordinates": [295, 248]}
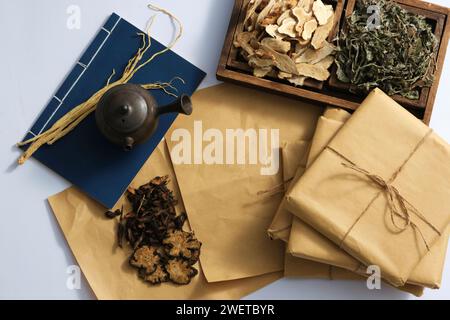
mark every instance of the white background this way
{"type": "Point", "coordinates": [36, 52]}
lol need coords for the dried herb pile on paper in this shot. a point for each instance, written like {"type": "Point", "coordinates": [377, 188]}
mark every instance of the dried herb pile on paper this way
{"type": "Point", "coordinates": [287, 39]}
{"type": "Point", "coordinates": [397, 55]}
{"type": "Point", "coordinates": [162, 250]}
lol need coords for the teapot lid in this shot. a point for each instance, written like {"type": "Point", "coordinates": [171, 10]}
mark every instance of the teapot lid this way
{"type": "Point", "coordinates": [125, 107]}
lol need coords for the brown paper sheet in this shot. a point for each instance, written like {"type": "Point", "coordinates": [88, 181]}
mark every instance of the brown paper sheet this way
{"type": "Point", "coordinates": [92, 239]}
{"type": "Point", "coordinates": [221, 200]}
{"type": "Point", "coordinates": [331, 197]}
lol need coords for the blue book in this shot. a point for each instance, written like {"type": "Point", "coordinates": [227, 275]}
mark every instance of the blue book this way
{"type": "Point", "coordinates": [84, 157]}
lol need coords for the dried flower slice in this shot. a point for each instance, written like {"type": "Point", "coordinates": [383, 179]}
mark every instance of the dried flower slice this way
{"type": "Point", "coordinates": [284, 75]}
{"type": "Point", "coordinates": [297, 80]}
{"type": "Point", "coordinates": [181, 244]}
{"type": "Point", "coordinates": [325, 62]}
{"type": "Point", "coordinates": [322, 12]}
{"type": "Point", "coordinates": [284, 16]}
{"type": "Point", "coordinates": [322, 33]}
{"type": "Point", "coordinates": [264, 12]}
{"type": "Point", "coordinates": [289, 4]}
{"type": "Point", "coordinates": [313, 71]}
{"type": "Point", "coordinates": [261, 72]}
{"type": "Point", "coordinates": [272, 30]}
{"type": "Point", "coordinates": [273, 15]}
{"type": "Point", "coordinates": [309, 28]}
{"type": "Point", "coordinates": [160, 275]}
{"type": "Point", "coordinates": [180, 271]}
{"type": "Point", "coordinates": [251, 16]}
{"type": "Point", "coordinates": [313, 56]}
{"type": "Point", "coordinates": [288, 27]}
{"type": "Point", "coordinates": [242, 40]}
{"type": "Point", "coordinates": [302, 17]}
{"type": "Point", "coordinates": [146, 259]}
{"type": "Point", "coordinates": [281, 61]}
{"type": "Point", "coordinates": [277, 44]}
{"type": "Point", "coordinates": [256, 62]}
{"type": "Point", "coordinates": [306, 4]}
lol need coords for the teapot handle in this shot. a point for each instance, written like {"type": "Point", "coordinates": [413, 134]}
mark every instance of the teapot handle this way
{"type": "Point", "coordinates": [182, 105]}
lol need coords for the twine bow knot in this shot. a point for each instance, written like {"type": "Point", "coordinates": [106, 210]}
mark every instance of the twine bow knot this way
{"type": "Point", "coordinates": [398, 206]}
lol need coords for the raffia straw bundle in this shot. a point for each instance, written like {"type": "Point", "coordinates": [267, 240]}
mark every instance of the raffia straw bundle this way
{"type": "Point", "coordinates": [70, 120]}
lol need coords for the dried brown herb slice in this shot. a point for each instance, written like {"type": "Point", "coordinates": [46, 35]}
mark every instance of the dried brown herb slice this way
{"type": "Point", "coordinates": [146, 259]}
{"type": "Point", "coordinates": [113, 214]}
{"type": "Point", "coordinates": [160, 275]}
{"type": "Point", "coordinates": [180, 271]}
{"type": "Point", "coordinates": [151, 221]}
{"type": "Point", "coordinates": [194, 258]}
{"type": "Point", "coordinates": [181, 244]}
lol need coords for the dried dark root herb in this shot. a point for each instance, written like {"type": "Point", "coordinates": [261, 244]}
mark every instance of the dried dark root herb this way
{"type": "Point", "coordinates": [113, 214]}
{"type": "Point", "coordinates": [162, 250]}
{"type": "Point", "coordinates": [398, 56]}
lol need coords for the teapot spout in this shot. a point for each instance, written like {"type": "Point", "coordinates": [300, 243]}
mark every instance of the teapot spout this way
{"type": "Point", "coordinates": [182, 105]}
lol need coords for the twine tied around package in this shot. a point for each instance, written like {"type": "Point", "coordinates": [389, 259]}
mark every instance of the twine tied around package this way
{"type": "Point", "coordinates": [275, 190]}
{"type": "Point", "coordinates": [399, 207]}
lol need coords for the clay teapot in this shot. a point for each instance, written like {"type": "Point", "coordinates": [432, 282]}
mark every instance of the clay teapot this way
{"type": "Point", "coordinates": [128, 114]}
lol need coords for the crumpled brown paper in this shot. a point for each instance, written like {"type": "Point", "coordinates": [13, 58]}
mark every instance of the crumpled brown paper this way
{"type": "Point", "coordinates": [351, 210]}
{"type": "Point", "coordinates": [221, 200]}
{"type": "Point", "coordinates": [92, 239]}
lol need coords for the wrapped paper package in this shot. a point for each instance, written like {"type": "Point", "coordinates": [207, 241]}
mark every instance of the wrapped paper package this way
{"type": "Point", "coordinates": [327, 127]}
{"type": "Point", "coordinates": [92, 239]}
{"type": "Point", "coordinates": [294, 157]}
{"type": "Point", "coordinates": [307, 243]}
{"type": "Point", "coordinates": [379, 190]}
{"type": "Point", "coordinates": [220, 191]}
{"type": "Point", "coordinates": [294, 165]}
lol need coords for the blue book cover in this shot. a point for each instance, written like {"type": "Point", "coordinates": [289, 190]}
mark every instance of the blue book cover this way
{"type": "Point", "coordinates": [84, 157]}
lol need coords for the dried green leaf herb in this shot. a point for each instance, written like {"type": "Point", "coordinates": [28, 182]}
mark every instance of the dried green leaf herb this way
{"type": "Point", "coordinates": [398, 55]}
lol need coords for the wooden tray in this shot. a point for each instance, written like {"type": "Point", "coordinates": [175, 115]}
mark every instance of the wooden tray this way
{"type": "Point", "coordinates": [328, 94]}
{"type": "Point", "coordinates": [435, 19]}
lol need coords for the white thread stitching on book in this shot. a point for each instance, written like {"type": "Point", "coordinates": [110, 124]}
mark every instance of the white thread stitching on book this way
{"type": "Point", "coordinates": [82, 64]}
{"type": "Point", "coordinates": [79, 77]}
